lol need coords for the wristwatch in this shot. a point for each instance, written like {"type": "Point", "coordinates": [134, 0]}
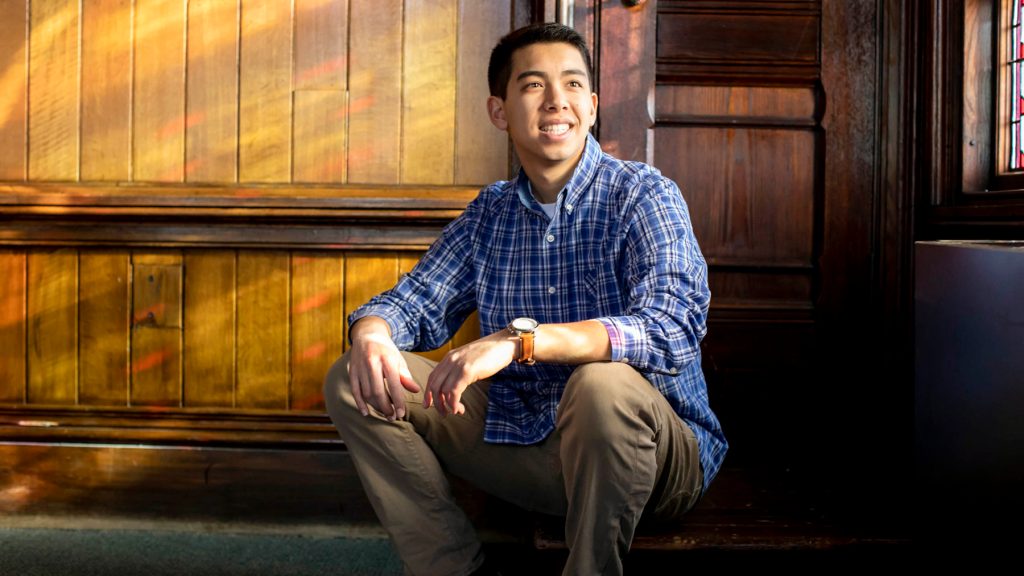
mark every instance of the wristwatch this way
{"type": "Point", "coordinates": [524, 328]}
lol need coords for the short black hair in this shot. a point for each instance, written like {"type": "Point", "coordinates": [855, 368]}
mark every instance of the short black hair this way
{"type": "Point", "coordinates": [500, 67]}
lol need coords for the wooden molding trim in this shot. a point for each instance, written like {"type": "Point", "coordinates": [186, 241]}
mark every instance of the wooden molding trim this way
{"type": "Point", "coordinates": [318, 217]}
{"type": "Point", "coordinates": [178, 426]}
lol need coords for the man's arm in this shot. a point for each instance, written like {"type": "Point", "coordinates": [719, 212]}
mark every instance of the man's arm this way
{"type": "Point", "coordinates": [377, 370]}
{"type": "Point", "coordinates": [571, 343]}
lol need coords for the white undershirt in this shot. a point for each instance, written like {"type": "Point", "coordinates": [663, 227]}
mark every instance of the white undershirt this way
{"type": "Point", "coordinates": [549, 209]}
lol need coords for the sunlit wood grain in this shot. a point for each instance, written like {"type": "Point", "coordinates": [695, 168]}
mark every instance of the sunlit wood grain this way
{"type": "Point", "coordinates": [13, 326]}
{"type": "Point", "coordinates": [263, 330]}
{"type": "Point", "coordinates": [428, 92]}
{"type": "Point", "coordinates": [317, 320]}
{"type": "Point", "coordinates": [53, 97]}
{"type": "Point", "coordinates": [156, 329]}
{"type": "Point", "coordinates": [158, 146]}
{"type": "Point", "coordinates": [53, 327]}
{"type": "Point", "coordinates": [13, 89]}
{"type": "Point", "coordinates": [265, 115]}
{"type": "Point", "coordinates": [106, 89]}
{"type": "Point", "coordinates": [209, 319]}
{"type": "Point", "coordinates": [212, 90]}
{"type": "Point", "coordinates": [104, 327]}
{"type": "Point", "coordinates": [375, 92]}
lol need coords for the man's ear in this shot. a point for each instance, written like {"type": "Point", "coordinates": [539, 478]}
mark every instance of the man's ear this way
{"type": "Point", "coordinates": [593, 118]}
{"type": "Point", "coordinates": [496, 112]}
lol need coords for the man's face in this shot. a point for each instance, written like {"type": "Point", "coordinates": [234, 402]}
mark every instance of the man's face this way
{"type": "Point", "coordinates": [549, 105]}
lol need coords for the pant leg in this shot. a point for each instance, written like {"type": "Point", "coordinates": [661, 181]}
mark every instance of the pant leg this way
{"type": "Point", "coordinates": [403, 478]}
{"type": "Point", "coordinates": [622, 449]}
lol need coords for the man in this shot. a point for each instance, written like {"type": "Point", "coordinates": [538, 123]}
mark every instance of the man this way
{"type": "Point", "coordinates": [585, 398]}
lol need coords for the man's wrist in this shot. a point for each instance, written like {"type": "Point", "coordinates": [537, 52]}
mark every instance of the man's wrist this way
{"type": "Point", "coordinates": [369, 325]}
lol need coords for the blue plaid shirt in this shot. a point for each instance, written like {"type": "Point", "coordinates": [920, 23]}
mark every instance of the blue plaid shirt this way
{"type": "Point", "coordinates": [620, 249]}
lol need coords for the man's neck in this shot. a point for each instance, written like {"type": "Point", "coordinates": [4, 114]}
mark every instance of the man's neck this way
{"type": "Point", "coordinates": [548, 181]}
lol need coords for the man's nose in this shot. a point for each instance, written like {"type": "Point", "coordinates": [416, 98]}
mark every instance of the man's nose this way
{"type": "Point", "coordinates": [555, 98]}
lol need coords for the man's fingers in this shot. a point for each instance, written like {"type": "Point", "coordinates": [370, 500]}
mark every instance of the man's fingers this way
{"type": "Point", "coordinates": [378, 395]}
{"type": "Point", "coordinates": [406, 378]}
{"type": "Point", "coordinates": [357, 391]}
{"type": "Point", "coordinates": [393, 378]}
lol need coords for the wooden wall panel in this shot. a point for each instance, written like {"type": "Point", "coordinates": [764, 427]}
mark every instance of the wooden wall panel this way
{"type": "Point", "coordinates": [317, 318]}
{"type": "Point", "coordinates": [156, 329]}
{"type": "Point", "coordinates": [13, 89]}
{"type": "Point", "coordinates": [158, 117]}
{"type": "Point", "coordinates": [366, 275]}
{"type": "Point", "coordinates": [52, 327]}
{"type": "Point", "coordinates": [320, 155]}
{"type": "Point", "coordinates": [263, 330]}
{"type": "Point", "coordinates": [725, 37]}
{"type": "Point", "coordinates": [53, 97]}
{"type": "Point", "coordinates": [320, 79]}
{"type": "Point", "coordinates": [481, 150]}
{"type": "Point", "coordinates": [209, 319]}
{"type": "Point", "coordinates": [737, 103]}
{"type": "Point", "coordinates": [212, 90]}
{"type": "Point", "coordinates": [12, 326]}
{"type": "Point", "coordinates": [375, 92]}
{"type": "Point", "coordinates": [741, 215]}
{"type": "Point", "coordinates": [104, 297]}
{"type": "Point", "coordinates": [106, 89]}
{"type": "Point", "coordinates": [428, 92]}
{"type": "Point", "coordinates": [265, 116]}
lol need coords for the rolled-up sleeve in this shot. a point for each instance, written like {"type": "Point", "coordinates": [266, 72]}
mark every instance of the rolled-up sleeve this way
{"type": "Point", "coordinates": [666, 276]}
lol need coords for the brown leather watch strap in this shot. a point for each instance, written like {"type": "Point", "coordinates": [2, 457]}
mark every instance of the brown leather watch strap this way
{"type": "Point", "coordinates": [526, 349]}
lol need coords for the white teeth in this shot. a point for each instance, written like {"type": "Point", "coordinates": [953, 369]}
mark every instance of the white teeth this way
{"type": "Point", "coordinates": [555, 128]}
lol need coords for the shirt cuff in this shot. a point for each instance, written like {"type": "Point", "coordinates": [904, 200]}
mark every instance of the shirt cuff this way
{"type": "Point", "coordinates": [628, 339]}
{"type": "Point", "coordinates": [401, 338]}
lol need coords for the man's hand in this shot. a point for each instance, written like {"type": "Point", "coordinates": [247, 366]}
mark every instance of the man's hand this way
{"type": "Point", "coordinates": [465, 365]}
{"type": "Point", "coordinates": [377, 370]}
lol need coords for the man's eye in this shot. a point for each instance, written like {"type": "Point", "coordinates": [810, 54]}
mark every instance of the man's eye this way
{"type": "Point", "coordinates": [576, 84]}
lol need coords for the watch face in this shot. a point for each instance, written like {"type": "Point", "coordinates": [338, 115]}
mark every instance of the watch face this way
{"type": "Point", "coordinates": [524, 324]}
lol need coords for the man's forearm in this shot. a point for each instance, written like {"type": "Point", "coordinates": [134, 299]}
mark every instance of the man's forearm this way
{"type": "Point", "coordinates": [572, 343]}
{"type": "Point", "coordinates": [369, 325]}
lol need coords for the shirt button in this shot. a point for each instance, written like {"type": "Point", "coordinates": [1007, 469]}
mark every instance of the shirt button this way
{"type": "Point", "coordinates": [673, 370]}
{"type": "Point", "coordinates": [551, 290]}
{"type": "Point", "coordinates": [625, 360]}
{"type": "Point", "coordinates": [550, 238]}
{"type": "Point", "coordinates": [568, 208]}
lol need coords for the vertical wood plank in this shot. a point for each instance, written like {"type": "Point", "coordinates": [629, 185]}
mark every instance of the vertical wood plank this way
{"type": "Point", "coordinates": [406, 262]}
{"type": "Point", "coordinates": [12, 326]}
{"type": "Point", "coordinates": [265, 122]}
{"type": "Point", "coordinates": [428, 92]}
{"type": "Point", "coordinates": [481, 154]}
{"type": "Point", "coordinates": [156, 329]}
{"type": "Point", "coordinates": [320, 136]}
{"type": "Point", "coordinates": [212, 90]}
{"type": "Point", "coordinates": [317, 324]}
{"type": "Point", "coordinates": [52, 327]}
{"type": "Point", "coordinates": [320, 80]}
{"type": "Point", "coordinates": [104, 297]}
{"type": "Point", "coordinates": [13, 89]}
{"type": "Point", "coordinates": [209, 361]}
{"type": "Point", "coordinates": [375, 92]}
{"type": "Point", "coordinates": [106, 89]}
{"type": "Point", "coordinates": [321, 34]}
{"type": "Point", "coordinates": [53, 99]}
{"type": "Point", "coordinates": [366, 275]}
{"type": "Point", "coordinates": [158, 147]}
{"type": "Point", "coordinates": [263, 330]}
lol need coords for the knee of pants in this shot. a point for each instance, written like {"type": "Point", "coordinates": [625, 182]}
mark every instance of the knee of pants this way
{"type": "Point", "coordinates": [338, 393]}
{"type": "Point", "coordinates": [600, 397]}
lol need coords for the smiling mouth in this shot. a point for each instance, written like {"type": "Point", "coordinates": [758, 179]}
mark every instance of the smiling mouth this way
{"type": "Point", "coordinates": [555, 129]}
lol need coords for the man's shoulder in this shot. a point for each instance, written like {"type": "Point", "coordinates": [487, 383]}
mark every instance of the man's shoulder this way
{"type": "Point", "coordinates": [626, 180]}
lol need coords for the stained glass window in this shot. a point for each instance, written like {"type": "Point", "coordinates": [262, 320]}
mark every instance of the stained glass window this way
{"type": "Point", "coordinates": [1016, 62]}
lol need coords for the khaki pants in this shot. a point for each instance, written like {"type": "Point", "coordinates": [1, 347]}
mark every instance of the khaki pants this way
{"type": "Point", "coordinates": [618, 452]}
